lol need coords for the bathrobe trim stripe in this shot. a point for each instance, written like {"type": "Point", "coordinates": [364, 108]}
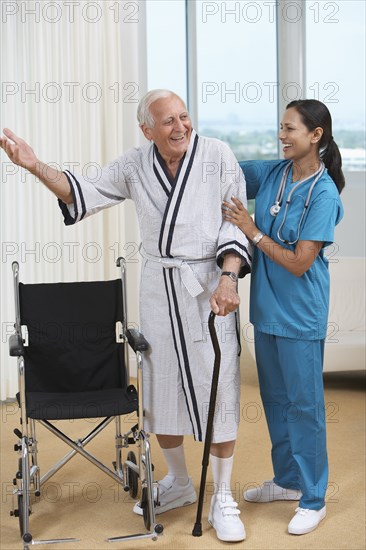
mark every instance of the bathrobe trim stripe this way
{"type": "Point", "coordinates": [176, 346]}
{"type": "Point", "coordinates": [187, 381]}
{"type": "Point", "coordinates": [81, 196]}
{"type": "Point", "coordinates": [175, 197]}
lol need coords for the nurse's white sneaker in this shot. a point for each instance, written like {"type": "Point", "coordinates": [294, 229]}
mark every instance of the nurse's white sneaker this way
{"type": "Point", "coordinates": [171, 495]}
{"type": "Point", "coordinates": [305, 520]}
{"type": "Point", "coordinates": [269, 492]}
{"type": "Point", "coordinates": [224, 518]}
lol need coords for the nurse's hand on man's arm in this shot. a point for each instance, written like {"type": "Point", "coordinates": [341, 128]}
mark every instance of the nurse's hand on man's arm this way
{"type": "Point", "coordinates": [237, 214]}
{"type": "Point", "coordinates": [296, 261]}
{"type": "Point", "coordinates": [22, 154]}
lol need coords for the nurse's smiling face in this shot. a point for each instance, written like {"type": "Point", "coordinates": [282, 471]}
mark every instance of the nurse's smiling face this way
{"type": "Point", "coordinates": [297, 141]}
{"type": "Point", "coordinates": [173, 127]}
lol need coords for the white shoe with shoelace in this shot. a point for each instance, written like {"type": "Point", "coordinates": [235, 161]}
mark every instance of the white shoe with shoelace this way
{"type": "Point", "coordinates": [224, 518]}
{"type": "Point", "coordinates": [305, 520]}
{"type": "Point", "coordinates": [171, 495]}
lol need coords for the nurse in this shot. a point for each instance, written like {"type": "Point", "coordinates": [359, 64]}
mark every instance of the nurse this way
{"type": "Point", "coordinates": [296, 210]}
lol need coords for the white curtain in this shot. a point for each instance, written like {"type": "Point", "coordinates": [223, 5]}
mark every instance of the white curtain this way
{"type": "Point", "coordinates": [71, 77]}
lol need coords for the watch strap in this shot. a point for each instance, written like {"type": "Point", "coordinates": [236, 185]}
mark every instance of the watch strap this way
{"type": "Point", "coordinates": [233, 276]}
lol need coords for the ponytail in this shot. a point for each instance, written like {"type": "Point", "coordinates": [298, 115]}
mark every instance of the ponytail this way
{"type": "Point", "coordinates": [315, 114]}
{"type": "Point", "coordinates": [333, 162]}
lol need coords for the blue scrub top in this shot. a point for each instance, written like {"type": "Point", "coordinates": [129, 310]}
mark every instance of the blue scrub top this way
{"type": "Point", "coordinates": [281, 303]}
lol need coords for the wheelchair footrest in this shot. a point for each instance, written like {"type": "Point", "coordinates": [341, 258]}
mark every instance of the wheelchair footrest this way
{"type": "Point", "coordinates": [153, 535]}
{"type": "Point", "coordinates": [53, 541]}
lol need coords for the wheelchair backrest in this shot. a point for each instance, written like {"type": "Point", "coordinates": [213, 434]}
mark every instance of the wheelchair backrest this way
{"type": "Point", "coordinates": [72, 336]}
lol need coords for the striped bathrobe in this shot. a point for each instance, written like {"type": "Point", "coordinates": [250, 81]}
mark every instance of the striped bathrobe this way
{"type": "Point", "coordinates": [184, 241]}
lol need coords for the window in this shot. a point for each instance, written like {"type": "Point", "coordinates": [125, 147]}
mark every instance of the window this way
{"type": "Point", "coordinates": [166, 46]}
{"type": "Point", "coordinates": [335, 67]}
{"type": "Point", "coordinates": [236, 76]}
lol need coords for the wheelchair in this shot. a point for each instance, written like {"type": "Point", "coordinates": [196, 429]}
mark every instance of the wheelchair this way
{"type": "Point", "coordinates": [72, 342]}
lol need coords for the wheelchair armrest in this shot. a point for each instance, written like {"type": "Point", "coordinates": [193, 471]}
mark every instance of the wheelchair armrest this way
{"type": "Point", "coordinates": [16, 348]}
{"type": "Point", "coordinates": [136, 340]}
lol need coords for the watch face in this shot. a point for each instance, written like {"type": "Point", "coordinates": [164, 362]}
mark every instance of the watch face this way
{"type": "Point", "coordinates": [233, 276]}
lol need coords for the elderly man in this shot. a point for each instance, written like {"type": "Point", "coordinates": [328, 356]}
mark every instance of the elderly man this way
{"type": "Point", "coordinates": [191, 261]}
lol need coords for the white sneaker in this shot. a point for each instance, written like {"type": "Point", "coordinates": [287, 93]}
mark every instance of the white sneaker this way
{"type": "Point", "coordinates": [224, 517]}
{"type": "Point", "coordinates": [269, 492]}
{"type": "Point", "coordinates": [171, 495]}
{"type": "Point", "coordinates": [305, 520]}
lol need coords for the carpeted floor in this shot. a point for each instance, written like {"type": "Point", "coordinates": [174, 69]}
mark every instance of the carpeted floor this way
{"type": "Point", "coordinates": [80, 501]}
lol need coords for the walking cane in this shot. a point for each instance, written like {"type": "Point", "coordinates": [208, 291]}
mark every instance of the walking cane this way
{"type": "Point", "coordinates": [197, 529]}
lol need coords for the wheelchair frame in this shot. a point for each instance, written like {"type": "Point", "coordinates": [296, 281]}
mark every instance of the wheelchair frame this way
{"type": "Point", "coordinates": [28, 480]}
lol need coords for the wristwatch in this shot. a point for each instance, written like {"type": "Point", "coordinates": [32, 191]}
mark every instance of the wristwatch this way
{"type": "Point", "coordinates": [233, 276]}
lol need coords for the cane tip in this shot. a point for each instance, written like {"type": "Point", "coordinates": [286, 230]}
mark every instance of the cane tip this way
{"type": "Point", "coordinates": [197, 530]}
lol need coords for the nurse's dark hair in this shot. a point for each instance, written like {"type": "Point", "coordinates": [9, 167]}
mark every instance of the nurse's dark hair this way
{"type": "Point", "coordinates": [315, 114]}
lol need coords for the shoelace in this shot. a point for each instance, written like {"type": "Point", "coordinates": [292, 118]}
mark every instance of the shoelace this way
{"type": "Point", "coordinates": [164, 488]}
{"type": "Point", "coordinates": [302, 511]}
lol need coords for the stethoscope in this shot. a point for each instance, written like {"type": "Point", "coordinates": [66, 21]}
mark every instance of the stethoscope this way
{"type": "Point", "coordinates": [276, 207]}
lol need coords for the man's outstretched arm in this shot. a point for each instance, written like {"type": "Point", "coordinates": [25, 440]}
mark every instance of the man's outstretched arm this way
{"type": "Point", "coordinates": [20, 153]}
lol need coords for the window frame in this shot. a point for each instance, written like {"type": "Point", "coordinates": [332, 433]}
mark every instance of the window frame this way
{"type": "Point", "coordinates": [291, 62]}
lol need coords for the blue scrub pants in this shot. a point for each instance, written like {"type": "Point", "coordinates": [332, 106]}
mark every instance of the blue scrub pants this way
{"type": "Point", "coordinates": [291, 386]}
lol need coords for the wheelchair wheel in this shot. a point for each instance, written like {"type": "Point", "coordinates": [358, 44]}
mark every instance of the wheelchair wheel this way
{"type": "Point", "coordinates": [21, 514]}
{"type": "Point", "coordinates": [133, 478]}
{"type": "Point", "coordinates": [20, 501]}
{"type": "Point", "coordinates": [145, 508]}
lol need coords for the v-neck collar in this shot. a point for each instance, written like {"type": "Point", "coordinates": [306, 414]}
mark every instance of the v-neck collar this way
{"type": "Point", "coordinates": [171, 180]}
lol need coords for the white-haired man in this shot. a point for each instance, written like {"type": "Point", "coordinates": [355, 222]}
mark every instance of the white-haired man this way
{"type": "Point", "coordinates": [191, 261]}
